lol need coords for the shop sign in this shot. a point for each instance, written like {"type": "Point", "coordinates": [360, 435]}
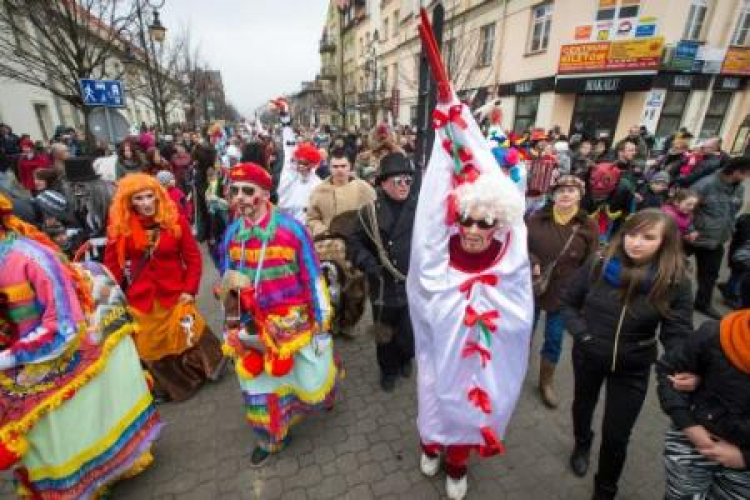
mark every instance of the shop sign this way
{"type": "Point", "coordinates": [710, 59]}
{"type": "Point", "coordinates": [652, 108]}
{"type": "Point", "coordinates": [646, 27]}
{"type": "Point", "coordinates": [607, 4]}
{"type": "Point", "coordinates": [582, 57]}
{"type": "Point", "coordinates": [604, 31]}
{"type": "Point", "coordinates": [527, 86]}
{"type": "Point", "coordinates": [635, 54]}
{"type": "Point", "coordinates": [603, 85]}
{"type": "Point", "coordinates": [730, 83]}
{"type": "Point", "coordinates": [682, 81]}
{"type": "Point", "coordinates": [737, 61]}
{"type": "Point", "coordinates": [625, 28]}
{"type": "Point", "coordinates": [584, 32]}
{"type": "Point", "coordinates": [683, 55]}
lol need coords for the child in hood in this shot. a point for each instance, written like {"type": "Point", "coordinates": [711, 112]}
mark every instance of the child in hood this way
{"type": "Point", "coordinates": [168, 182]}
{"type": "Point", "coordinates": [681, 207]}
{"type": "Point", "coordinates": [655, 193]}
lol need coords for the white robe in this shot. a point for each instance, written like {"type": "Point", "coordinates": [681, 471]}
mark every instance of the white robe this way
{"type": "Point", "coordinates": [446, 414]}
{"type": "Point", "coordinates": [294, 190]}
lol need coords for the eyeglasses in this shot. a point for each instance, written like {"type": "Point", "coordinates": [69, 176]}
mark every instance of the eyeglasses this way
{"type": "Point", "coordinates": [246, 190]}
{"type": "Point", "coordinates": [467, 221]}
{"type": "Point", "coordinates": [402, 181]}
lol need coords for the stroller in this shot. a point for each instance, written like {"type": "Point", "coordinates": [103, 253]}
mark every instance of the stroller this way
{"type": "Point", "coordinates": [347, 286]}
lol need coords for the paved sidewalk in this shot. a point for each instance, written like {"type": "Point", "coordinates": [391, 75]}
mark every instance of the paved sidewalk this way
{"type": "Point", "coordinates": [367, 447]}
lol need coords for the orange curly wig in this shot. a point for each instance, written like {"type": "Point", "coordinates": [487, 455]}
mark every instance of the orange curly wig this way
{"type": "Point", "coordinates": [11, 223]}
{"type": "Point", "coordinates": [123, 221]}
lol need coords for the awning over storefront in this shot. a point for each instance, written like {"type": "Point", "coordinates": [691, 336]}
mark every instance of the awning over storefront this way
{"type": "Point", "coordinates": [682, 81]}
{"type": "Point", "coordinates": [604, 83]}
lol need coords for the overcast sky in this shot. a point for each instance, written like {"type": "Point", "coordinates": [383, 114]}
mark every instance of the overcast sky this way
{"type": "Point", "coordinates": [263, 48]}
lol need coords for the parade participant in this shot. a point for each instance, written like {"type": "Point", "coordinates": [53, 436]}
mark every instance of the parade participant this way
{"type": "Point", "coordinates": [380, 246]}
{"type": "Point", "coordinates": [469, 295]}
{"type": "Point", "coordinates": [278, 321]}
{"type": "Point", "coordinates": [152, 251]}
{"type": "Point", "coordinates": [606, 201]}
{"type": "Point", "coordinates": [298, 180]}
{"type": "Point", "coordinates": [561, 239]}
{"type": "Point", "coordinates": [169, 183]}
{"type": "Point", "coordinates": [707, 448]}
{"type": "Point", "coordinates": [76, 412]}
{"type": "Point", "coordinates": [128, 159]}
{"type": "Point", "coordinates": [90, 197]}
{"type": "Point", "coordinates": [613, 309]}
{"type": "Point", "coordinates": [154, 162]}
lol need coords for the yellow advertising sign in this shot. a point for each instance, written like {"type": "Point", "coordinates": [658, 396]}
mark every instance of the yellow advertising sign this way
{"type": "Point", "coordinates": [581, 57]}
{"type": "Point", "coordinates": [611, 56]}
{"type": "Point", "coordinates": [737, 61]}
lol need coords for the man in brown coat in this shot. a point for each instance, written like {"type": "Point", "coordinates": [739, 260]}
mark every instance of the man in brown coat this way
{"type": "Point", "coordinates": [336, 195]}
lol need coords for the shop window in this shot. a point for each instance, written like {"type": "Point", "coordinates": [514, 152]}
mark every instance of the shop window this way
{"type": "Point", "coordinates": [596, 115]}
{"type": "Point", "coordinates": [541, 22]}
{"type": "Point", "coordinates": [670, 119]}
{"type": "Point", "coordinates": [385, 30]}
{"type": "Point", "coordinates": [526, 106]}
{"type": "Point", "coordinates": [717, 110]}
{"type": "Point", "coordinates": [695, 20]}
{"type": "Point", "coordinates": [629, 8]}
{"type": "Point", "coordinates": [742, 30]}
{"type": "Point", "coordinates": [486, 44]}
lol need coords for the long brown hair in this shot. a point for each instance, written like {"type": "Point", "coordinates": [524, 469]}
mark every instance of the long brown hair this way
{"type": "Point", "coordinates": [664, 270]}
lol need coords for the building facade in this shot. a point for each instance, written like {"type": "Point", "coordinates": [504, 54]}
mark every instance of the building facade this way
{"type": "Point", "coordinates": [595, 67]}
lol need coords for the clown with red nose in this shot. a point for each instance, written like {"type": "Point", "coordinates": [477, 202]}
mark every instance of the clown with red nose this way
{"type": "Point", "coordinates": [277, 313]}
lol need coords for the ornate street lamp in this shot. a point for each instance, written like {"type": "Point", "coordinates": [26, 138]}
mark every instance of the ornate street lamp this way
{"type": "Point", "coordinates": [157, 31]}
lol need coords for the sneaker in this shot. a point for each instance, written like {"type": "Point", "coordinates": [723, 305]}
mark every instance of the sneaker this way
{"type": "Point", "coordinates": [456, 488]}
{"type": "Point", "coordinates": [429, 465]}
{"type": "Point", "coordinates": [259, 457]}
{"type": "Point", "coordinates": [388, 383]}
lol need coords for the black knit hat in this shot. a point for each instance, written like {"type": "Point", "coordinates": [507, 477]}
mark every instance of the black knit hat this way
{"type": "Point", "coordinates": [394, 164]}
{"type": "Point", "coordinates": [52, 204]}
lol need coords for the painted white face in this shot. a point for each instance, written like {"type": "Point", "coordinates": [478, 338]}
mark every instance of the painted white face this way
{"type": "Point", "coordinates": [144, 202]}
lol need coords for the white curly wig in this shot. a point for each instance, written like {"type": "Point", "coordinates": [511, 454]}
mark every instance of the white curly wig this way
{"type": "Point", "coordinates": [493, 195]}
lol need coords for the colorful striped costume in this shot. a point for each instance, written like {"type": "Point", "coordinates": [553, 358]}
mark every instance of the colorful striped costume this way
{"type": "Point", "coordinates": [58, 374]}
{"type": "Point", "coordinates": [285, 365]}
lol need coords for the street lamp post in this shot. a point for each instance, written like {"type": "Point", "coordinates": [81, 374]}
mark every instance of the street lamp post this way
{"type": "Point", "coordinates": [157, 33]}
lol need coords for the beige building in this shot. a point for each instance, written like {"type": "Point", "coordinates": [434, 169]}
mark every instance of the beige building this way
{"type": "Point", "coordinates": [591, 66]}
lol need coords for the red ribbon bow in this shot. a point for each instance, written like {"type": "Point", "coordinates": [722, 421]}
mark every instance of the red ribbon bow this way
{"type": "Point", "coordinates": [492, 444]}
{"type": "Point", "coordinates": [484, 279]}
{"type": "Point", "coordinates": [440, 119]}
{"type": "Point", "coordinates": [481, 400]}
{"type": "Point", "coordinates": [472, 348]}
{"type": "Point", "coordinates": [486, 318]}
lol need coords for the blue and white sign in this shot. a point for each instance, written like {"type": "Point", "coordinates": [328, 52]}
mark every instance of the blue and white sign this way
{"type": "Point", "coordinates": [645, 30]}
{"type": "Point", "coordinates": [106, 93]}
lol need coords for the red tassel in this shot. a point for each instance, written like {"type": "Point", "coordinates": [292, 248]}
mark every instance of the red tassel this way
{"type": "Point", "coordinates": [481, 400]}
{"type": "Point", "coordinates": [7, 458]}
{"type": "Point", "coordinates": [492, 444]}
{"type": "Point", "coordinates": [252, 362]}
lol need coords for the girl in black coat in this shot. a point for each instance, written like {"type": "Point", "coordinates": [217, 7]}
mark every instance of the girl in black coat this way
{"type": "Point", "coordinates": [613, 310]}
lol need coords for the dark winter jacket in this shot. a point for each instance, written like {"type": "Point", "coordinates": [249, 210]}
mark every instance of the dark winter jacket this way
{"type": "Point", "coordinates": [547, 239]}
{"type": "Point", "coordinates": [593, 309]}
{"type": "Point", "coordinates": [716, 212]}
{"type": "Point", "coordinates": [704, 168]}
{"type": "Point", "coordinates": [721, 402]}
{"type": "Point", "coordinates": [396, 224]}
{"type": "Point", "coordinates": [739, 249]}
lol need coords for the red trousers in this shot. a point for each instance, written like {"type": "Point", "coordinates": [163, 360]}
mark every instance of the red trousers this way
{"type": "Point", "coordinates": [456, 457]}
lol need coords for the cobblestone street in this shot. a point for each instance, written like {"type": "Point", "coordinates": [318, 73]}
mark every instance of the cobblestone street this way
{"type": "Point", "coordinates": [367, 447]}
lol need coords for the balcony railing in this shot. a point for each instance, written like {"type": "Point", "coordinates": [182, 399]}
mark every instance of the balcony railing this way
{"type": "Point", "coordinates": [327, 45]}
{"type": "Point", "coordinates": [328, 73]}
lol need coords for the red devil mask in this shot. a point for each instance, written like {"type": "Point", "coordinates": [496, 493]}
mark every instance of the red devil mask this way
{"type": "Point", "coordinates": [604, 179]}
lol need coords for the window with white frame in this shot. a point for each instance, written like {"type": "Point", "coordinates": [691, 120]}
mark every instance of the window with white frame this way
{"type": "Point", "coordinates": [741, 34]}
{"type": "Point", "coordinates": [695, 20]}
{"type": "Point", "coordinates": [486, 44]}
{"type": "Point", "coordinates": [385, 30]}
{"type": "Point", "coordinates": [541, 22]}
{"type": "Point", "coordinates": [395, 23]}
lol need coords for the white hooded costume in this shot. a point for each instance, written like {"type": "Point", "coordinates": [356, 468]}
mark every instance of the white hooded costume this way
{"type": "Point", "coordinates": [472, 330]}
